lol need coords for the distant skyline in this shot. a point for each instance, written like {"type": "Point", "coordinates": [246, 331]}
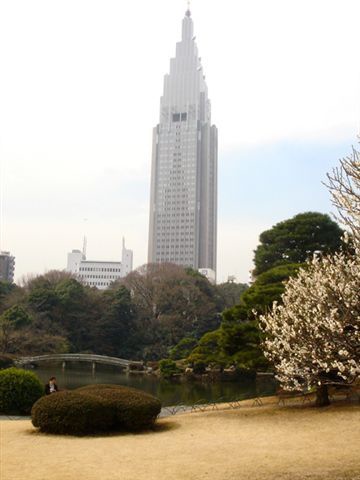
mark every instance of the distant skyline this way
{"type": "Point", "coordinates": [80, 83]}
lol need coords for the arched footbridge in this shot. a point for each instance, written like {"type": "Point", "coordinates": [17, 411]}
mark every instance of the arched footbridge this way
{"type": "Point", "coordinates": [93, 359]}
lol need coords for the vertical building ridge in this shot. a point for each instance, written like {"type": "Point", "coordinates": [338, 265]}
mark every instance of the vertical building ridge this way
{"type": "Point", "coordinates": [183, 198]}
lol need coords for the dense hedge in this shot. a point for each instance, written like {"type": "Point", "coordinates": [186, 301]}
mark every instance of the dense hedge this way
{"type": "Point", "coordinates": [19, 390]}
{"type": "Point", "coordinates": [133, 409]}
{"type": "Point", "coordinates": [70, 412]}
{"type": "Point", "coordinates": [95, 408]}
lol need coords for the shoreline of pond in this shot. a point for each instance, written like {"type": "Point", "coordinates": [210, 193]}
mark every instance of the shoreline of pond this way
{"type": "Point", "coordinates": [170, 391]}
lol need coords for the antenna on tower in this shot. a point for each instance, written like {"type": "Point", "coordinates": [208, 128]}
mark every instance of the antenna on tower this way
{"type": "Point", "coordinates": [84, 247]}
{"type": "Point", "coordinates": [84, 242]}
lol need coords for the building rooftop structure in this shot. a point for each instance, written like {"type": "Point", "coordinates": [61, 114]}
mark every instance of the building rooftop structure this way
{"type": "Point", "coordinates": [99, 273]}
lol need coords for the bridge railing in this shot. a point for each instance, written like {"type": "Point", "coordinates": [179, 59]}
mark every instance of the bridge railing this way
{"type": "Point", "coordinates": [78, 357]}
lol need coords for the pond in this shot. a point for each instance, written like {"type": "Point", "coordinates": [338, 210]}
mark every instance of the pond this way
{"type": "Point", "coordinates": [169, 392]}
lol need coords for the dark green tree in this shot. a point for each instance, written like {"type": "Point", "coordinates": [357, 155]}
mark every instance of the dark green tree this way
{"type": "Point", "coordinates": [171, 303]}
{"type": "Point", "coordinates": [115, 329]}
{"type": "Point", "coordinates": [238, 339]}
{"type": "Point", "coordinates": [296, 239]}
{"type": "Point", "coordinates": [230, 292]}
{"type": "Point", "coordinates": [241, 342]}
{"type": "Point", "coordinates": [268, 287]}
{"type": "Point", "coordinates": [5, 289]}
{"type": "Point", "coordinates": [12, 320]}
{"type": "Point", "coordinates": [208, 350]}
{"type": "Point", "coordinates": [76, 312]}
{"type": "Point", "coordinates": [183, 348]}
{"type": "Point", "coordinates": [63, 307]}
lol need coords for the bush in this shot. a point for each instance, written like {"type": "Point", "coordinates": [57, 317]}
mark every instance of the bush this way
{"type": "Point", "coordinates": [183, 348]}
{"type": "Point", "coordinates": [95, 408]}
{"type": "Point", "coordinates": [71, 413]}
{"type": "Point", "coordinates": [199, 367]}
{"type": "Point", "coordinates": [168, 368]}
{"type": "Point", "coordinates": [6, 361]}
{"type": "Point", "coordinates": [19, 390]}
{"type": "Point", "coordinates": [133, 409]}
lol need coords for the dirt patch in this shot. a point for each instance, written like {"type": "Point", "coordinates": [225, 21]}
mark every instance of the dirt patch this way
{"type": "Point", "coordinates": [265, 443]}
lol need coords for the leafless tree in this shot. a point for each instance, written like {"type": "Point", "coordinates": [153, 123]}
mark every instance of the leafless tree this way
{"type": "Point", "coordinates": [344, 186]}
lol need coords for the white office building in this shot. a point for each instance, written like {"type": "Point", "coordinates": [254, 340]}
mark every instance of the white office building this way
{"type": "Point", "coordinates": [183, 203]}
{"type": "Point", "coordinates": [98, 273]}
{"type": "Point", "coordinates": [7, 267]}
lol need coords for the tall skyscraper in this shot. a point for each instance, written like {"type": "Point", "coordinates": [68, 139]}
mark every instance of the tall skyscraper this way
{"type": "Point", "coordinates": [183, 202]}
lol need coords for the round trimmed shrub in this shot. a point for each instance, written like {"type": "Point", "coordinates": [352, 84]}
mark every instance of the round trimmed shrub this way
{"type": "Point", "coordinates": [133, 409]}
{"type": "Point", "coordinates": [19, 390]}
{"type": "Point", "coordinates": [95, 408]}
{"type": "Point", "coordinates": [70, 412]}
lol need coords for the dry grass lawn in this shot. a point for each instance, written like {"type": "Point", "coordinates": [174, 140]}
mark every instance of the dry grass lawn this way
{"type": "Point", "coordinates": [264, 443]}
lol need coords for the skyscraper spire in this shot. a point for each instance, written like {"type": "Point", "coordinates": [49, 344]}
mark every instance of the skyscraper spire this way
{"type": "Point", "coordinates": [188, 12]}
{"type": "Point", "coordinates": [183, 203]}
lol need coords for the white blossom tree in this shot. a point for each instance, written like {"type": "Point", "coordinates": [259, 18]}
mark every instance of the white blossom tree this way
{"type": "Point", "coordinates": [313, 338]}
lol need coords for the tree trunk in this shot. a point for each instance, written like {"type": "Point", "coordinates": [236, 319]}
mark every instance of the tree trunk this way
{"type": "Point", "coordinates": [322, 396]}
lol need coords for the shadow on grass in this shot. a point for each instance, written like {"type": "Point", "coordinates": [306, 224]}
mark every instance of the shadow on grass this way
{"type": "Point", "coordinates": [159, 427]}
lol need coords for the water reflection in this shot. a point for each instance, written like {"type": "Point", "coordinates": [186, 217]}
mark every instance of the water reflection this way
{"type": "Point", "coordinates": [170, 393]}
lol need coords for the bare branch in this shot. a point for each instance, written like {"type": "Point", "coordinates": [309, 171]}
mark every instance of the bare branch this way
{"type": "Point", "coordinates": [344, 186]}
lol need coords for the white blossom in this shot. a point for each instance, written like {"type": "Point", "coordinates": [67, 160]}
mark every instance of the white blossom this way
{"type": "Point", "coordinates": [313, 338]}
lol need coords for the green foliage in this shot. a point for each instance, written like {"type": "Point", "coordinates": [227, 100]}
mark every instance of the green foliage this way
{"type": "Point", "coordinates": [70, 293]}
{"type": "Point", "coordinates": [241, 342]}
{"type": "Point", "coordinates": [133, 409]}
{"type": "Point", "coordinates": [239, 335]}
{"type": "Point", "coordinates": [19, 390]}
{"type": "Point", "coordinates": [42, 297]}
{"type": "Point", "coordinates": [116, 330]}
{"type": "Point", "coordinates": [168, 368]}
{"type": "Point", "coordinates": [183, 348]}
{"type": "Point", "coordinates": [95, 408]}
{"type": "Point", "coordinates": [235, 344]}
{"type": "Point", "coordinates": [296, 239]}
{"type": "Point", "coordinates": [5, 289]}
{"type": "Point", "coordinates": [199, 366]}
{"type": "Point", "coordinates": [16, 316]}
{"type": "Point", "coordinates": [208, 351]}
{"type": "Point", "coordinates": [166, 304]}
{"type": "Point", "coordinates": [42, 343]}
{"type": "Point", "coordinates": [72, 413]}
{"type": "Point", "coordinates": [171, 303]}
{"type": "Point", "coordinates": [268, 287]}
{"type": "Point", "coordinates": [13, 319]}
{"type": "Point", "coordinates": [231, 292]}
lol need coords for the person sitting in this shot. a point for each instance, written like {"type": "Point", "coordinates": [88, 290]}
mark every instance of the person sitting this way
{"type": "Point", "coordinates": [51, 386]}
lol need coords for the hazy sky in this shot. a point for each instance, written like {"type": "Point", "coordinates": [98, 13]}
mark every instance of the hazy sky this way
{"type": "Point", "coordinates": [80, 83]}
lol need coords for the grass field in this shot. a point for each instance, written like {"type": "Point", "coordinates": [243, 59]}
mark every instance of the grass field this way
{"type": "Point", "coordinates": [267, 443]}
